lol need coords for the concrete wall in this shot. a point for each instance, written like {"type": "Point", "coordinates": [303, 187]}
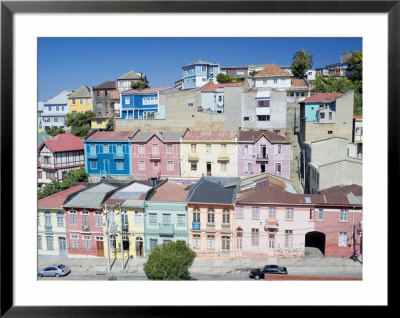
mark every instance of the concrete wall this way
{"type": "Point", "coordinates": [328, 149]}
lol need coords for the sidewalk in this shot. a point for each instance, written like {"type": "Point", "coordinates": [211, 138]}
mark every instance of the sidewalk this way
{"type": "Point", "coordinates": [217, 266]}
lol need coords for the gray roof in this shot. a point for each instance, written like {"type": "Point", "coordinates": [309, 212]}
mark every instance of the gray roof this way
{"type": "Point", "coordinates": [42, 137]}
{"type": "Point", "coordinates": [200, 62]}
{"type": "Point", "coordinates": [82, 91]}
{"type": "Point", "coordinates": [329, 161]}
{"type": "Point", "coordinates": [90, 197]}
{"type": "Point", "coordinates": [61, 98]}
{"type": "Point", "coordinates": [163, 135]}
{"type": "Point", "coordinates": [354, 199]}
{"type": "Point", "coordinates": [218, 190]}
{"type": "Point", "coordinates": [130, 75]}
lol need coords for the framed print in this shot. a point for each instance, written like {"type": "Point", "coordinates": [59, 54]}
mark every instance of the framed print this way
{"type": "Point", "coordinates": [28, 28]}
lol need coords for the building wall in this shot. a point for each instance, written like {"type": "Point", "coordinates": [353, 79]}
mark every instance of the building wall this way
{"type": "Point", "coordinates": [55, 230]}
{"type": "Point", "coordinates": [95, 125]}
{"type": "Point", "coordinates": [273, 158]}
{"type": "Point", "coordinates": [205, 230]}
{"type": "Point", "coordinates": [211, 156]}
{"type": "Point", "coordinates": [155, 231]}
{"type": "Point", "coordinates": [282, 82]}
{"type": "Point", "coordinates": [156, 167]}
{"type": "Point", "coordinates": [329, 149]}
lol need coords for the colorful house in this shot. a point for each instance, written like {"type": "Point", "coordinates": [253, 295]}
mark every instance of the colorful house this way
{"type": "Point", "coordinates": [84, 219]}
{"type": "Point", "coordinates": [104, 104]}
{"type": "Point", "coordinates": [100, 122]}
{"type": "Point", "coordinates": [141, 104]}
{"type": "Point", "coordinates": [273, 76]}
{"type": "Point", "coordinates": [156, 155]}
{"type": "Point", "coordinates": [51, 240]}
{"type": "Point", "coordinates": [57, 156]}
{"type": "Point", "coordinates": [211, 204]}
{"type": "Point", "coordinates": [271, 221]}
{"type": "Point", "coordinates": [198, 74]}
{"type": "Point", "coordinates": [80, 100]}
{"type": "Point", "coordinates": [125, 207]}
{"type": "Point", "coordinates": [166, 214]}
{"type": "Point", "coordinates": [263, 151]}
{"type": "Point", "coordinates": [55, 111]}
{"type": "Point", "coordinates": [208, 153]}
{"type": "Point", "coordinates": [108, 153]}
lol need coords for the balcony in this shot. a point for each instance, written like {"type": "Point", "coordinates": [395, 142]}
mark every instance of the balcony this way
{"type": "Point", "coordinates": [118, 155]}
{"type": "Point", "coordinates": [85, 228]}
{"type": "Point", "coordinates": [196, 226]}
{"type": "Point", "coordinates": [193, 156]}
{"type": "Point", "coordinates": [223, 157]}
{"type": "Point", "coordinates": [262, 157]}
{"type": "Point", "coordinates": [271, 224]}
{"type": "Point", "coordinates": [155, 156]}
{"type": "Point", "coordinates": [48, 229]}
{"type": "Point", "coordinates": [125, 227]}
{"type": "Point", "coordinates": [226, 228]}
{"type": "Point", "coordinates": [91, 155]}
{"type": "Point", "coordinates": [166, 229]}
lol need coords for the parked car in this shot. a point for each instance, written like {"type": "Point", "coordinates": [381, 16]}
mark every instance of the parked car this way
{"type": "Point", "coordinates": [258, 273]}
{"type": "Point", "coordinates": [55, 270]}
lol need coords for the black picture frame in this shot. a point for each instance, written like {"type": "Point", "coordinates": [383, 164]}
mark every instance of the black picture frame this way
{"type": "Point", "coordinates": [8, 8]}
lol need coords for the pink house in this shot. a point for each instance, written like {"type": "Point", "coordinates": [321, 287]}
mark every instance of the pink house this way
{"type": "Point", "coordinates": [270, 221]}
{"type": "Point", "coordinates": [263, 151]}
{"type": "Point", "coordinates": [155, 155]}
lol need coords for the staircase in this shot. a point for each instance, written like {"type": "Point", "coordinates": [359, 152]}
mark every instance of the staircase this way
{"type": "Point", "coordinates": [294, 164]}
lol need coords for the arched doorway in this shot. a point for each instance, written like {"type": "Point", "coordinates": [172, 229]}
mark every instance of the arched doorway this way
{"type": "Point", "coordinates": [316, 240]}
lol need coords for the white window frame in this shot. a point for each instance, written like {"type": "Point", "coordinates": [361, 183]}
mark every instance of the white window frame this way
{"type": "Point", "coordinates": [344, 215]}
{"type": "Point", "coordinates": [142, 165]}
{"type": "Point", "coordinates": [255, 212]}
{"type": "Point", "coordinates": [127, 100]}
{"type": "Point", "coordinates": [170, 165]}
{"type": "Point", "coordinates": [210, 242]}
{"type": "Point", "coordinates": [320, 214]}
{"type": "Point", "coordinates": [342, 240]}
{"type": "Point", "coordinates": [196, 241]}
{"type": "Point", "coordinates": [139, 218]}
{"type": "Point", "coordinates": [289, 214]}
{"type": "Point", "coordinates": [141, 148]}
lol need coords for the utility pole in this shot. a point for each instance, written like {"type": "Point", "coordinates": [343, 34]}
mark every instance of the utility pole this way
{"type": "Point", "coordinates": [108, 239]}
{"type": "Point", "coordinates": [122, 240]}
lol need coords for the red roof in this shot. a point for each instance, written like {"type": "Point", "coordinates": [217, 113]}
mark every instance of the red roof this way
{"type": "Point", "coordinates": [64, 142]}
{"type": "Point", "coordinates": [322, 97]}
{"type": "Point", "coordinates": [254, 135]}
{"type": "Point", "coordinates": [213, 87]}
{"type": "Point", "coordinates": [209, 135]}
{"type": "Point", "coordinates": [57, 199]}
{"type": "Point", "coordinates": [171, 191]}
{"type": "Point", "coordinates": [357, 116]}
{"type": "Point", "coordinates": [272, 70]}
{"type": "Point", "coordinates": [110, 135]}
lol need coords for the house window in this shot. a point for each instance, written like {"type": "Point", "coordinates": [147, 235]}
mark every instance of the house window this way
{"type": "Point", "coordinates": [120, 164]}
{"type": "Point", "coordinates": [47, 219]}
{"type": "Point", "coordinates": [72, 217]}
{"type": "Point", "coordinates": [246, 118]}
{"type": "Point", "coordinates": [74, 241]}
{"type": "Point", "coordinates": [38, 219]}
{"type": "Point", "coordinates": [288, 238]}
{"type": "Point", "coordinates": [344, 215]}
{"type": "Point", "coordinates": [141, 148]}
{"type": "Point", "coordinates": [239, 235]}
{"type": "Point", "coordinates": [239, 212]}
{"type": "Point", "coordinates": [139, 218]}
{"type": "Point", "coordinates": [264, 81]}
{"type": "Point", "coordinates": [127, 101]}
{"type": "Point", "coordinates": [87, 101]}
{"type": "Point", "coordinates": [272, 212]}
{"type": "Point", "coordinates": [226, 216]}
{"type": "Point", "coordinates": [278, 168]}
{"type": "Point", "coordinates": [93, 164]}
{"type": "Point", "coordinates": [85, 218]}
{"type": "Point", "coordinates": [119, 148]}
{"type": "Point", "coordinates": [330, 132]}
{"type": "Point", "coordinates": [39, 242]}
{"type": "Point", "coordinates": [278, 149]}
{"type": "Point", "coordinates": [226, 243]}
{"type": "Point", "coordinates": [49, 242]}
{"type": "Point", "coordinates": [210, 216]}
{"type": "Point", "coordinates": [254, 237]}
{"type": "Point", "coordinates": [343, 239]}
{"type": "Point", "coordinates": [196, 241]}
{"type": "Point", "coordinates": [275, 80]}
{"type": "Point", "coordinates": [73, 102]}
{"type": "Point", "coordinates": [153, 243]}
{"type": "Point", "coordinates": [224, 166]}
{"type": "Point", "coordinates": [255, 212]}
{"type": "Point", "coordinates": [271, 240]}
{"type": "Point", "coordinates": [196, 215]}
{"type": "Point", "coordinates": [170, 149]}
{"type": "Point", "coordinates": [106, 148]}
{"type": "Point", "coordinates": [98, 218]}
{"type": "Point", "coordinates": [141, 165]}
{"type": "Point", "coordinates": [321, 115]}
{"type": "Point", "coordinates": [170, 165]}
{"type": "Point", "coordinates": [57, 108]}
{"type": "Point", "coordinates": [262, 117]}
{"type": "Point", "coordinates": [289, 213]}
{"type": "Point", "coordinates": [181, 220]}
{"type": "Point", "coordinates": [81, 101]}
{"type": "Point", "coordinates": [193, 166]}
{"type": "Point", "coordinates": [60, 220]}
{"type": "Point", "coordinates": [62, 108]}
{"type": "Point", "coordinates": [249, 167]}
{"type": "Point", "coordinates": [210, 242]}
{"type": "Point", "coordinates": [155, 148]}
{"type": "Point", "coordinates": [153, 218]}
{"type": "Point", "coordinates": [86, 242]}
{"type": "Point", "coordinates": [208, 148]}
{"type": "Point", "coordinates": [320, 214]}
{"type": "Point", "coordinates": [113, 243]}
{"type": "Point", "coordinates": [193, 147]}
{"type": "Point", "coordinates": [190, 104]}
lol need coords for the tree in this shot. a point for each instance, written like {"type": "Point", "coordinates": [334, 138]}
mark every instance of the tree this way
{"type": "Point", "coordinates": [169, 261]}
{"type": "Point", "coordinates": [110, 124]}
{"type": "Point", "coordinates": [301, 62]}
{"type": "Point", "coordinates": [223, 78]}
{"type": "Point", "coordinates": [139, 85]}
{"type": "Point", "coordinates": [238, 79]}
{"type": "Point", "coordinates": [48, 189]}
{"type": "Point", "coordinates": [355, 66]}
{"type": "Point", "coordinates": [80, 123]}
{"type": "Point", "coordinates": [253, 73]}
{"type": "Point", "coordinates": [53, 131]}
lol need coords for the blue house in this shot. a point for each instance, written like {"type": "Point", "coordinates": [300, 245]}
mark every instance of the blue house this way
{"type": "Point", "coordinates": [108, 154]}
{"type": "Point", "coordinates": [320, 108]}
{"type": "Point", "coordinates": [199, 73]}
{"type": "Point", "coordinates": [141, 104]}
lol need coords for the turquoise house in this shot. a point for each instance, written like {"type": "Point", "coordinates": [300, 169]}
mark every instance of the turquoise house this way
{"type": "Point", "coordinates": [166, 217]}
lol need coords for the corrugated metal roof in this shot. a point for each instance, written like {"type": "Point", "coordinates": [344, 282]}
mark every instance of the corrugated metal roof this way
{"type": "Point", "coordinates": [212, 190]}
{"type": "Point", "coordinates": [91, 197]}
{"type": "Point", "coordinates": [110, 135]}
{"type": "Point", "coordinates": [209, 135]}
{"type": "Point", "coordinates": [143, 136]}
{"type": "Point", "coordinates": [56, 200]}
{"type": "Point", "coordinates": [61, 98]}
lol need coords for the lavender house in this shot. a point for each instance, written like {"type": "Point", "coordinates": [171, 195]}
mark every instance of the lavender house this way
{"type": "Point", "coordinates": [263, 151]}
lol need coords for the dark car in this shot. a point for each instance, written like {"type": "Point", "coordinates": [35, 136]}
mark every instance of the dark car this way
{"type": "Point", "coordinates": [55, 270]}
{"type": "Point", "coordinates": [258, 273]}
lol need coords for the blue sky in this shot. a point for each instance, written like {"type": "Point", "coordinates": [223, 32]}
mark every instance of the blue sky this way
{"type": "Point", "coordinates": [69, 63]}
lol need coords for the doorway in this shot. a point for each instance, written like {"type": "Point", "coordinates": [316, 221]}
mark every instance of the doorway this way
{"type": "Point", "coordinates": [262, 167]}
{"type": "Point", "coordinates": [208, 168]}
{"type": "Point", "coordinates": [99, 247]}
{"type": "Point", "coordinates": [139, 246]}
{"type": "Point", "coordinates": [62, 246]}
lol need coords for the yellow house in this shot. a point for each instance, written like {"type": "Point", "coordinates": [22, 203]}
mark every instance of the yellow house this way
{"type": "Point", "coordinates": [80, 100]}
{"type": "Point", "coordinates": [126, 207]}
{"type": "Point", "coordinates": [51, 227]}
{"type": "Point", "coordinates": [208, 153]}
{"type": "Point", "coordinates": [99, 122]}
